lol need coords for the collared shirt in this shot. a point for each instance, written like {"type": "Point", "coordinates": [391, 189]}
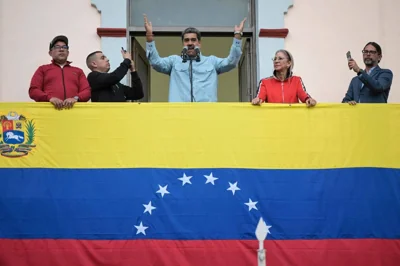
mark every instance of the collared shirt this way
{"type": "Point", "coordinates": [205, 73]}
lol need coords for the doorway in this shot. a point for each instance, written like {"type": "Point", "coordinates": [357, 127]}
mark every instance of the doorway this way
{"type": "Point", "coordinates": [233, 86]}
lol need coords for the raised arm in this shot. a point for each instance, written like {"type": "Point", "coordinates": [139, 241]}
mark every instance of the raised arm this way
{"type": "Point", "coordinates": [163, 65]}
{"type": "Point", "coordinates": [379, 85]}
{"type": "Point", "coordinates": [106, 80]}
{"type": "Point", "coordinates": [223, 65]}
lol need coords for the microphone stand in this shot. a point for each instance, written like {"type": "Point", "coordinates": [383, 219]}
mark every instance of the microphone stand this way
{"type": "Point", "coordinates": [185, 57]}
{"type": "Point", "coordinates": [191, 78]}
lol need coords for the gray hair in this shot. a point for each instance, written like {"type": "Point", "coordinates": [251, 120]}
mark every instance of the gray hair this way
{"type": "Point", "coordinates": [192, 30]}
{"type": "Point", "coordinates": [290, 58]}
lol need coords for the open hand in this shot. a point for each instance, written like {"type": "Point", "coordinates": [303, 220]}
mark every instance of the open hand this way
{"type": "Point", "coordinates": [147, 25]}
{"type": "Point", "coordinates": [241, 26]}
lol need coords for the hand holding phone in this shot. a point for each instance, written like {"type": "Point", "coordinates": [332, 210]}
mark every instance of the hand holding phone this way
{"type": "Point", "coordinates": [348, 55]}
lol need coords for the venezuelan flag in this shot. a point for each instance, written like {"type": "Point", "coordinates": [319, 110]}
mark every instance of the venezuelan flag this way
{"type": "Point", "coordinates": [183, 184]}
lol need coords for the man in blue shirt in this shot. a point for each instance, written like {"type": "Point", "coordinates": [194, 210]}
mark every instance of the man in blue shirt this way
{"type": "Point", "coordinates": [371, 85]}
{"type": "Point", "coordinates": [202, 85]}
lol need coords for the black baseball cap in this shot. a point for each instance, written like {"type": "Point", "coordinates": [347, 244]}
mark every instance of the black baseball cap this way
{"type": "Point", "coordinates": [59, 38]}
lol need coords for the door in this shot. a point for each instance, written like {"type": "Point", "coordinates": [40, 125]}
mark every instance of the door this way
{"type": "Point", "coordinates": [143, 68]}
{"type": "Point", "coordinates": [245, 73]}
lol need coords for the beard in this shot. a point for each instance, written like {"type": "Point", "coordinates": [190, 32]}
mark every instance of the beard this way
{"type": "Point", "coordinates": [369, 62]}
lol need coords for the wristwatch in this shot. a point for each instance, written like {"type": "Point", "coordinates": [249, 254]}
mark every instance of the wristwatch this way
{"type": "Point", "coordinates": [76, 98]}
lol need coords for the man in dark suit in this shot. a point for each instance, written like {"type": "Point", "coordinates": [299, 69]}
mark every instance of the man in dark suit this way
{"type": "Point", "coordinates": [371, 85]}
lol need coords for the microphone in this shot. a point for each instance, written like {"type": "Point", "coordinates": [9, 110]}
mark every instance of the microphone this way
{"type": "Point", "coordinates": [197, 50]}
{"type": "Point", "coordinates": [184, 54]}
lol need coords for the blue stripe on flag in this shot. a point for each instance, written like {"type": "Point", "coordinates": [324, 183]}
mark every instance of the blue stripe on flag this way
{"type": "Point", "coordinates": [109, 203]}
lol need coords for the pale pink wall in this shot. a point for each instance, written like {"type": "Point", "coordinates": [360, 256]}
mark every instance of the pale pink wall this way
{"type": "Point", "coordinates": [26, 29]}
{"type": "Point", "coordinates": [322, 31]}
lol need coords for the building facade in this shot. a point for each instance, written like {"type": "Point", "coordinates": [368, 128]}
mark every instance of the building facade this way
{"type": "Point", "coordinates": [316, 32]}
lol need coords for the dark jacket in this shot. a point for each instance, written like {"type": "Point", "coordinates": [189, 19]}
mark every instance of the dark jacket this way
{"type": "Point", "coordinates": [53, 81]}
{"type": "Point", "coordinates": [106, 87]}
{"type": "Point", "coordinates": [376, 87]}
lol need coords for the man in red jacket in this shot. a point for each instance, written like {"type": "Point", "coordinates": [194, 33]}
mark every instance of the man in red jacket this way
{"type": "Point", "coordinates": [59, 83]}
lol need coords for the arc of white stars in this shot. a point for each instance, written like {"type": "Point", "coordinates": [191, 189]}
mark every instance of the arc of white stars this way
{"type": "Point", "coordinates": [233, 187]}
{"type": "Point", "coordinates": [141, 229]}
{"type": "Point", "coordinates": [185, 179]}
{"type": "Point", "coordinates": [210, 178]}
{"type": "Point", "coordinates": [148, 208]}
{"type": "Point", "coordinates": [163, 190]}
{"type": "Point", "coordinates": [251, 204]}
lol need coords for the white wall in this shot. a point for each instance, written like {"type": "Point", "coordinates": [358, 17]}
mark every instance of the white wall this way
{"type": "Point", "coordinates": [322, 31]}
{"type": "Point", "coordinates": [26, 29]}
{"type": "Point", "coordinates": [270, 15]}
{"type": "Point", "coordinates": [113, 15]}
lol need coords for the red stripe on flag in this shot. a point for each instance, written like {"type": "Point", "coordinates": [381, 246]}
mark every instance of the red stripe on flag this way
{"type": "Point", "coordinates": [47, 252]}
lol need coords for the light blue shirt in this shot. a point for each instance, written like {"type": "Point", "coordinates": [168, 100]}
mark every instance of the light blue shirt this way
{"type": "Point", "coordinates": [205, 73]}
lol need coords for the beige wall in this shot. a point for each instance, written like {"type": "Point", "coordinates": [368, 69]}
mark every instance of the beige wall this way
{"type": "Point", "coordinates": [228, 83]}
{"type": "Point", "coordinates": [321, 32]}
{"type": "Point", "coordinates": [26, 29]}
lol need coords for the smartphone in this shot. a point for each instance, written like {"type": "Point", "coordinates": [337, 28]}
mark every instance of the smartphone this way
{"type": "Point", "coordinates": [348, 55]}
{"type": "Point", "coordinates": [123, 49]}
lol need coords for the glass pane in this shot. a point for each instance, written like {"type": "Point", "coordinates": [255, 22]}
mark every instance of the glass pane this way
{"type": "Point", "coordinates": [186, 13]}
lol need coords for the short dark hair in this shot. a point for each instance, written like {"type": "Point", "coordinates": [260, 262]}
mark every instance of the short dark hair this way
{"type": "Point", "coordinates": [192, 30]}
{"type": "Point", "coordinates": [90, 57]}
{"type": "Point", "coordinates": [377, 47]}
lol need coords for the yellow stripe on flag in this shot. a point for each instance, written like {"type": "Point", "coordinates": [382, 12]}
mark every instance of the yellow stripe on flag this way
{"type": "Point", "coordinates": [209, 135]}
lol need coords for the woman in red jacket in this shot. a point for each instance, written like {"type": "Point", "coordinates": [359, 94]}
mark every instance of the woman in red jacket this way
{"type": "Point", "coordinates": [283, 87]}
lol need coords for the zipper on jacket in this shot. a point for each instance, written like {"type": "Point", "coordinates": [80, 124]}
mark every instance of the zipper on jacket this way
{"type": "Point", "coordinates": [65, 91]}
{"type": "Point", "coordinates": [283, 94]}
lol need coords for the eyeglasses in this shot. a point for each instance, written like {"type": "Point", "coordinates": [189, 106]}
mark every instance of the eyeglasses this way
{"type": "Point", "coordinates": [368, 52]}
{"type": "Point", "coordinates": [59, 47]}
{"type": "Point", "coordinates": [278, 58]}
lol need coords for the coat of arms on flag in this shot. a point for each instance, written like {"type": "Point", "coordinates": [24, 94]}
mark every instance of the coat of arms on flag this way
{"type": "Point", "coordinates": [17, 135]}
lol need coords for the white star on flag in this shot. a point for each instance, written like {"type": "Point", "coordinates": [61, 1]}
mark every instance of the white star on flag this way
{"type": "Point", "coordinates": [233, 187]}
{"type": "Point", "coordinates": [268, 227]}
{"type": "Point", "coordinates": [252, 204]}
{"type": "Point", "coordinates": [185, 179]}
{"type": "Point", "coordinates": [141, 229]}
{"type": "Point", "coordinates": [210, 178]}
{"type": "Point", "coordinates": [163, 190]}
{"type": "Point", "coordinates": [148, 208]}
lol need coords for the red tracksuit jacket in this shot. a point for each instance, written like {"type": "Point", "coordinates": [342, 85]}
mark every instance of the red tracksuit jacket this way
{"type": "Point", "coordinates": [53, 81]}
{"type": "Point", "coordinates": [291, 90]}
